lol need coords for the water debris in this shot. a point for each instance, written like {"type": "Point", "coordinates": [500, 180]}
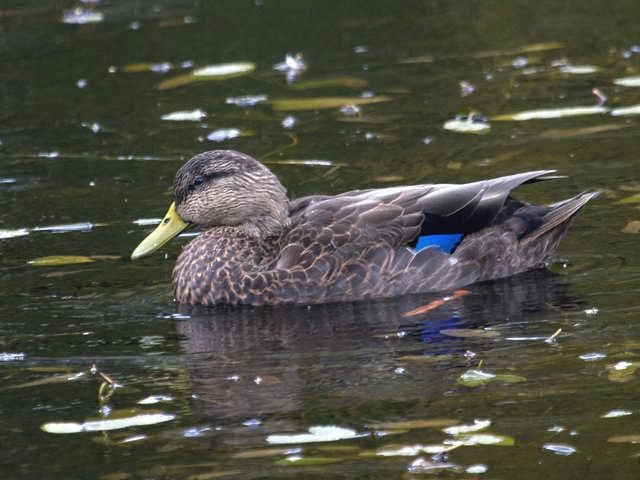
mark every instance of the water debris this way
{"type": "Point", "coordinates": [136, 420]}
{"type": "Point", "coordinates": [196, 115]}
{"type": "Point", "coordinates": [81, 83]}
{"type": "Point", "coordinates": [133, 438]}
{"type": "Point", "coordinates": [469, 333]}
{"type": "Point", "coordinates": [222, 134]}
{"type": "Point", "coordinates": [477, 468]}
{"type": "Point", "coordinates": [246, 100]}
{"type": "Point", "coordinates": [591, 311]}
{"type": "Point", "coordinates": [632, 227]}
{"type": "Point", "coordinates": [81, 16]}
{"type": "Point", "coordinates": [578, 69]}
{"type": "Point", "coordinates": [321, 103]}
{"type": "Point", "coordinates": [533, 48]}
{"type": "Point", "coordinates": [55, 379]}
{"type": "Point", "coordinates": [413, 450]}
{"type": "Point", "coordinates": [211, 72]}
{"type": "Point", "coordinates": [622, 371]}
{"type": "Point", "coordinates": [413, 424]}
{"type": "Point", "coordinates": [624, 111]}
{"type": "Point", "coordinates": [263, 453]}
{"type": "Point", "coordinates": [328, 433]}
{"type": "Point", "coordinates": [617, 413]}
{"type": "Point", "coordinates": [18, 232]}
{"type": "Point", "coordinates": [153, 399]}
{"type": "Point", "coordinates": [70, 227]}
{"type": "Point", "coordinates": [556, 429]}
{"type": "Point", "coordinates": [559, 448]}
{"type": "Point", "coordinates": [466, 88]}
{"type": "Point", "coordinates": [300, 460]}
{"type": "Point", "coordinates": [421, 465]}
{"type": "Point", "coordinates": [350, 110]}
{"type": "Point", "coordinates": [12, 357]}
{"type": "Point", "coordinates": [147, 221]}
{"type": "Point", "coordinates": [477, 425]}
{"type": "Point", "coordinates": [436, 303]}
{"type": "Point", "coordinates": [468, 123]}
{"type": "Point", "coordinates": [549, 113]}
{"type": "Point", "coordinates": [52, 154]}
{"type": "Point", "coordinates": [292, 66]}
{"type": "Point", "coordinates": [624, 439]}
{"type": "Point", "coordinates": [288, 122]}
{"type": "Point", "coordinates": [592, 357]}
{"type": "Point", "coordinates": [552, 338]}
{"type": "Point", "coordinates": [477, 377]}
{"type": "Point", "coordinates": [161, 67]}
{"type": "Point", "coordinates": [628, 81]}
{"type": "Point", "coordinates": [252, 422]}
{"type": "Point", "coordinates": [558, 134]}
{"type": "Point", "coordinates": [348, 82]}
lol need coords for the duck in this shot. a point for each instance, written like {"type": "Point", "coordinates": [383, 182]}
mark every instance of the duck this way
{"type": "Point", "coordinates": [258, 247]}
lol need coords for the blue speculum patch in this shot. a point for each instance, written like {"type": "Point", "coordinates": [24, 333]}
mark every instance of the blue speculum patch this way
{"type": "Point", "coordinates": [445, 243]}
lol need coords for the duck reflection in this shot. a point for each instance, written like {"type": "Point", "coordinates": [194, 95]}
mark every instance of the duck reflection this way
{"type": "Point", "coordinates": [274, 361]}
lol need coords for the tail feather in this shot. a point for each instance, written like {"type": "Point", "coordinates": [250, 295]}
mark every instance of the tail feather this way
{"type": "Point", "coordinates": [561, 212]}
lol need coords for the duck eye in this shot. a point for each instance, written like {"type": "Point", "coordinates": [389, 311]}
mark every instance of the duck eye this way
{"type": "Point", "coordinates": [199, 181]}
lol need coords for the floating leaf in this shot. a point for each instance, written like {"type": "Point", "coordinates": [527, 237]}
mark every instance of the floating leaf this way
{"type": "Point", "coordinates": [413, 424]}
{"type": "Point", "coordinates": [56, 260]}
{"type": "Point", "coordinates": [474, 378]}
{"type": "Point", "coordinates": [223, 134]}
{"type": "Point", "coordinates": [616, 413]}
{"type": "Point", "coordinates": [632, 199]}
{"type": "Point", "coordinates": [300, 460]}
{"type": "Point", "coordinates": [622, 111]}
{"type": "Point", "coordinates": [625, 439]}
{"type": "Point", "coordinates": [622, 372]}
{"type": "Point", "coordinates": [632, 227]}
{"type": "Point", "coordinates": [108, 423]}
{"type": "Point", "coordinates": [628, 81]}
{"type": "Point", "coordinates": [468, 124]}
{"type": "Point", "coordinates": [579, 69]}
{"type": "Point", "coordinates": [18, 232]}
{"type": "Point", "coordinates": [329, 433]}
{"type": "Point", "coordinates": [185, 116]}
{"type": "Point", "coordinates": [350, 82]}
{"type": "Point", "coordinates": [486, 439]}
{"type": "Point", "coordinates": [319, 103]}
{"type": "Point", "coordinates": [559, 448]}
{"type": "Point", "coordinates": [212, 72]}
{"type": "Point", "coordinates": [422, 466]}
{"type": "Point", "coordinates": [246, 100]}
{"type": "Point", "coordinates": [551, 113]}
{"type": "Point", "coordinates": [469, 333]}
{"type": "Point", "coordinates": [462, 429]}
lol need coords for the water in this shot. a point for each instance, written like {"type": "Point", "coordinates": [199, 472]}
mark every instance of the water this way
{"type": "Point", "coordinates": [84, 150]}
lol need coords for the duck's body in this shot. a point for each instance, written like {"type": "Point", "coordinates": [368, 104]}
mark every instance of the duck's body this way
{"type": "Point", "coordinates": [356, 245]}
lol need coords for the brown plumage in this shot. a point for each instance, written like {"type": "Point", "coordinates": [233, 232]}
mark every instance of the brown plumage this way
{"type": "Point", "coordinates": [261, 248]}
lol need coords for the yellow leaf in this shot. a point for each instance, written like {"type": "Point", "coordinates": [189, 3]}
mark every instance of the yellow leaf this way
{"type": "Point", "coordinates": [319, 103]}
{"type": "Point", "coordinates": [56, 260]}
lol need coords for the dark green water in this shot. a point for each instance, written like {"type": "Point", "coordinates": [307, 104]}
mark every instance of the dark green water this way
{"type": "Point", "coordinates": [82, 141]}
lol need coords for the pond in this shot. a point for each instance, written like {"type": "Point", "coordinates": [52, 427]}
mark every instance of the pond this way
{"type": "Point", "coordinates": [104, 376]}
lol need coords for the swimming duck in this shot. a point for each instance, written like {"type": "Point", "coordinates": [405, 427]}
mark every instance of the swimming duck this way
{"type": "Point", "coordinates": [259, 247]}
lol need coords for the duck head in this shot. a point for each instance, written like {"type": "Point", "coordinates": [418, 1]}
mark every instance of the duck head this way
{"type": "Point", "coordinates": [221, 188]}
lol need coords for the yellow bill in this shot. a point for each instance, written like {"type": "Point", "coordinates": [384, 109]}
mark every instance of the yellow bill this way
{"type": "Point", "coordinates": [170, 226]}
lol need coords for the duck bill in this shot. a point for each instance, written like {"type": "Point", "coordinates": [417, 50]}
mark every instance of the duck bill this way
{"type": "Point", "coordinates": [170, 226]}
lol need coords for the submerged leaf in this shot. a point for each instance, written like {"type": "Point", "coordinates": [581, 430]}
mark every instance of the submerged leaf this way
{"type": "Point", "coordinates": [579, 132]}
{"type": "Point", "coordinates": [413, 424]}
{"type": "Point", "coordinates": [474, 378]}
{"type": "Point", "coordinates": [632, 227]}
{"type": "Point", "coordinates": [469, 333]}
{"type": "Point", "coordinates": [622, 372]}
{"type": "Point", "coordinates": [350, 82]}
{"type": "Point", "coordinates": [55, 260]}
{"type": "Point", "coordinates": [300, 460]}
{"type": "Point", "coordinates": [551, 113]}
{"type": "Point", "coordinates": [533, 48]}
{"type": "Point", "coordinates": [632, 199]}
{"type": "Point", "coordinates": [624, 439]}
{"type": "Point", "coordinates": [319, 103]}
